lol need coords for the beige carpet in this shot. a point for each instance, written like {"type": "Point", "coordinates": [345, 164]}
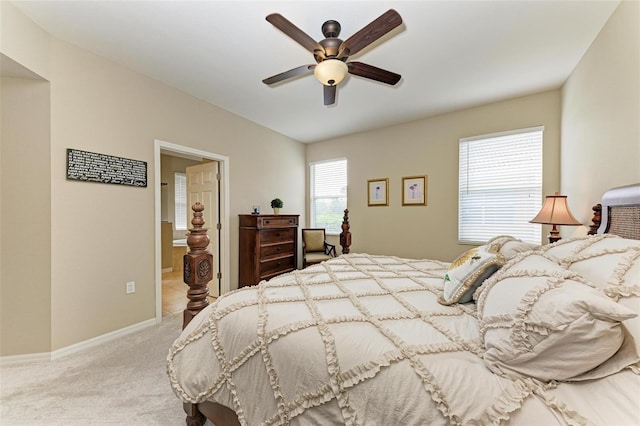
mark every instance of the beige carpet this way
{"type": "Point", "coordinates": [123, 382]}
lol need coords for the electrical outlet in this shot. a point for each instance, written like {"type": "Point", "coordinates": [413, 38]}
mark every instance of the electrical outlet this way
{"type": "Point", "coordinates": [131, 287]}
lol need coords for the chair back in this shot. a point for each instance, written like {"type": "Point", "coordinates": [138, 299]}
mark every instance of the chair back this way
{"type": "Point", "coordinates": [313, 239]}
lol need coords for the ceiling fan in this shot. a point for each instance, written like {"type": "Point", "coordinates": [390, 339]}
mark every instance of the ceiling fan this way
{"type": "Point", "coordinates": [331, 54]}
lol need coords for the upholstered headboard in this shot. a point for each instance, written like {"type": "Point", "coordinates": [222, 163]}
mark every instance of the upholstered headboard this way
{"type": "Point", "coordinates": [619, 212]}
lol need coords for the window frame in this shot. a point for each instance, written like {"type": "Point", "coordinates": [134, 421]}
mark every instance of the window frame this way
{"type": "Point", "coordinates": [180, 208]}
{"type": "Point", "coordinates": [524, 189]}
{"type": "Point", "coordinates": [312, 190]}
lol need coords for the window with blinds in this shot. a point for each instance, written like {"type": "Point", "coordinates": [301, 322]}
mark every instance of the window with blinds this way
{"type": "Point", "coordinates": [180, 188]}
{"type": "Point", "coordinates": [500, 186]}
{"type": "Point", "coordinates": [328, 194]}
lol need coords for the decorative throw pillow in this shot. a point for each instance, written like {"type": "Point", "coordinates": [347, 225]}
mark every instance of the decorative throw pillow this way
{"type": "Point", "coordinates": [538, 319]}
{"type": "Point", "coordinates": [467, 273]}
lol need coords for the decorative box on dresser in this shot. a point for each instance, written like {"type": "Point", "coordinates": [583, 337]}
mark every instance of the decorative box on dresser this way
{"type": "Point", "coordinates": [268, 246]}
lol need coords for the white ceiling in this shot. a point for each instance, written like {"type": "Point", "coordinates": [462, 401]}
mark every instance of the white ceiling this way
{"type": "Point", "coordinates": [451, 54]}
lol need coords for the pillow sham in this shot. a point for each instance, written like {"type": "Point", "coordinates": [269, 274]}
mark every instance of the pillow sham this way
{"type": "Point", "coordinates": [604, 260]}
{"type": "Point", "coordinates": [608, 262]}
{"type": "Point", "coordinates": [467, 273]}
{"type": "Point", "coordinates": [539, 320]}
{"type": "Point", "coordinates": [509, 246]}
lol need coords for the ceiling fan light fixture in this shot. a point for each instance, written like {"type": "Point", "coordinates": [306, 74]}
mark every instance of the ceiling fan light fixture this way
{"type": "Point", "coordinates": [331, 72]}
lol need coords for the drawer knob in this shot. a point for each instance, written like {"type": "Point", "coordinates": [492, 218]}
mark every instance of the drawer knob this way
{"type": "Point", "coordinates": [279, 249]}
{"type": "Point", "coordinates": [279, 263]}
{"type": "Point", "coordinates": [267, 221]}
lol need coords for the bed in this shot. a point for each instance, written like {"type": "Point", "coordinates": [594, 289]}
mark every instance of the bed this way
{"type": "Point", "coordinates": [546, 335]}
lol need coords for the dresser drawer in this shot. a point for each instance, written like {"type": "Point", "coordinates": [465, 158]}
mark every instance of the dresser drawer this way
{"type": "Point", "coordinates": [277, 222]}
{"type": "Point", "coordinates": [282, 235]}
{"type": "Point", "coordinates": [271, 268]}
{"type": "Point", "coordinates": [277, 250]}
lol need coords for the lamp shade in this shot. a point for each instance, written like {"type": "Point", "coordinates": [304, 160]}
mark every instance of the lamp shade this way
{"type": "Point", "coordinates": [331, 71]}
{"type": "Point", "coordinates": [555, 211]}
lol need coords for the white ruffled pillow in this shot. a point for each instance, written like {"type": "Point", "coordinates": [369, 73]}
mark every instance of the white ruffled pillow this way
{"type": "Point", "coordinates": [607, 262]}
{"type": "Point", "coordinates": [538, 319]}
{"type": "Point", "coordinates": [603, 260]}
{"type": "Point", "coordinates": [509, 246]}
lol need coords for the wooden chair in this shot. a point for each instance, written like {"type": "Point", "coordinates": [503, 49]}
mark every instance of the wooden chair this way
{"type": "Point", "coordinates": [315, 248]}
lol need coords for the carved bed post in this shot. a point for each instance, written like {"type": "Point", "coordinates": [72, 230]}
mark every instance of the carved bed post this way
{"type": "Point", "coordinates": [198, 263]}
{"type": "Point", "coordinates": [197, 273]}
{"type": "Point", "coordinates": [345, 235]}
{"type": "Point", "coordinates": [597, 218]}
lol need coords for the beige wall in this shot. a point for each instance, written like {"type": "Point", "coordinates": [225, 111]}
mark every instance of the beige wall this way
{"type": "Point", "coordinates": [103, 235]}
{"type": "Point", "coordinates": [25, 219]}
{"type": "Point", "coordinates": [430, 147]}
{"type": "Point", "coordinates": [101, 107]}
{"type": "Point", "coordinates": [601, 114]}
{"type": "Point", "coordinates": [23, 41]}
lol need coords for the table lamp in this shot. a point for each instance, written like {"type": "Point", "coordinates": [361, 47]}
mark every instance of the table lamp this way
{"type": "Point", "coordinates": [555, 211]}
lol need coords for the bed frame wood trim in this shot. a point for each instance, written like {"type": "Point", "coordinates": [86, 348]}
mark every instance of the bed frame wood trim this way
{"type": "Point", "coordinates": [345, 235]}
{"type": "Point", "coordinates": [619, 213]}
{"type": "Point", "coordinates": [197, 272]}
{"type": "Point", "coordinates": [596, 219]}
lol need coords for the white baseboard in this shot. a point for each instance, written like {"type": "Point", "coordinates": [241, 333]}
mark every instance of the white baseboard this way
{"type": "Point", "coordinates": [19, 359]}
{"type": "Point", "coordinates": [57, 354]}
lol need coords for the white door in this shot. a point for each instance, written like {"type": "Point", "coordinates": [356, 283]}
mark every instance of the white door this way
{"type": "Point", "coordinates": [202, 186]}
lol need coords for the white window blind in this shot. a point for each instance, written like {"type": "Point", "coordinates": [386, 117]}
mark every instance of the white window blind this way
{"type": "Point", "coordinates": [180, 188]}
{"type": "Point", "coordinates": [328, 194]}
{"type": "Point", "coordinates": [500, 186]}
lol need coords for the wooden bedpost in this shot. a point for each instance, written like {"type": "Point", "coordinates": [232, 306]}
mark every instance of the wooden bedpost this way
{"type": "Point", "coordinates": [597, 218]}
{"type": "Point", "coordinates": [194, 417]}
{"type": "Point", "coordinates": [345, 235]}
{"type": "Point", "coordinates": [197, 272]}
{"type": "Point", "coordinates": [198, 263]}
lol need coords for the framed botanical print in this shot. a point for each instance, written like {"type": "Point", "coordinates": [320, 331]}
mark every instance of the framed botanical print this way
{"type": "Point", "coordinates": [414, 191]}
{"type": "Point", "coordinates": [378, 192]}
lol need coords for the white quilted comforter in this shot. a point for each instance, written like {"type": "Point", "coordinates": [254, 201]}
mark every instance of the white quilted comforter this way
{"type": "Point", "coordinates": [362, 340]}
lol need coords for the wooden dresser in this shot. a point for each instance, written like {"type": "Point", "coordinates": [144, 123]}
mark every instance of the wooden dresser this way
{"type": "Point", "coordinates": [268, 246]}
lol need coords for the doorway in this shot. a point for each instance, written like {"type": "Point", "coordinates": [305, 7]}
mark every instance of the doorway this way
{"type": "Point", "coordinates": [219, 249]}
{"type": "Point", "coordinates": [203, 185]}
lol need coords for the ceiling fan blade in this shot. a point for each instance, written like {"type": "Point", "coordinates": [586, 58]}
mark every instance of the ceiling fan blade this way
{"type": "Point", "coordinates": [302, 38]}
{"type": "Point", "coordinates": [373, 73]}
{"type": "Point", "coordinates": [370, 33]}
{"type": "Point", "coordinates": [329, 94]}
{"type": "Point", "coordinates": [304, 69]}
